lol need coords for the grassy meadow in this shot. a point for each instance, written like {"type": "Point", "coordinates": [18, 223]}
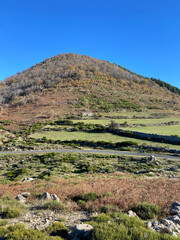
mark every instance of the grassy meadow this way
{"type": "Point", "coordinates": [67, 135]}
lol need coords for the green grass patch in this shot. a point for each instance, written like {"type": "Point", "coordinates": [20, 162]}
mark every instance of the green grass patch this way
{"type": "Point", "coordinates": [69, 136]}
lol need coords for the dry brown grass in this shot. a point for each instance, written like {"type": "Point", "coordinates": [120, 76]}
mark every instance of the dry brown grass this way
{"type": "Point", "coordinates": [125, 191]}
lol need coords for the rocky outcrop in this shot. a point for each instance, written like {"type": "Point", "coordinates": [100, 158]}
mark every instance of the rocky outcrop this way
{"type": "Point", "coordinates": [81, 231]}
{"type": "Point", "coordinates": [170, 225]}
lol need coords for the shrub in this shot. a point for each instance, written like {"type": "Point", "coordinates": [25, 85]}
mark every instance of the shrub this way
{"type": "Point", "coordinates": [53, 205]}
{"type": "Point", "coordinates": [92, 196]}
{"type": "Point", "coordinates": [15, 175]}
{"type": "Point", "coordinates": [146, 210]}
{"type": "Point", "coordinates": [120, 226]}
{"type": "Point", "coordinates": [10, 212]}
{"type": "Point", "coordinates": [57, 229]}
{"type": "Point", "coordinates": [3, 223]}
{"type": "Point", "coordinates": [19, 232]}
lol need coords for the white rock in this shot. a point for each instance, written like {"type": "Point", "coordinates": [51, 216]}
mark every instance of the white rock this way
{"type": "Point", "coordinates": [27, 179]}
{"type": "Point", "coordinates": [130, 213]}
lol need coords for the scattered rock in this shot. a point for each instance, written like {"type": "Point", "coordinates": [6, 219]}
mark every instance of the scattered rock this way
{"type": "Point", "coordinates": [170, 225]}
{"type": "Point", "coordinates": [81, 231]}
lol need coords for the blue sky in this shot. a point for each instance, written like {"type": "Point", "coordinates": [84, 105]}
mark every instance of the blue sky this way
{"type": "Point", "coordinates": [142, 36]}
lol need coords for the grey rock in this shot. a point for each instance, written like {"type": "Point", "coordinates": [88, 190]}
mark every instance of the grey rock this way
{"type": "Point", "coordinates": [20, 198]}
{"type": "Point", "coordinates": [175, 219]}
{"type": "Point", "coordinates": [55, 197]}
{"type": "Point", "coordinates": [175, 208]}
{"type": "Point", "coordinates": [81, 231]}
{"type": "Point", "coordinates": [46, 196]}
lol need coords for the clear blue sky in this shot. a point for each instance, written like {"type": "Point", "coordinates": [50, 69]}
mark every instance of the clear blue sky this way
{"type": "Point", "coordinates": [141, 35]}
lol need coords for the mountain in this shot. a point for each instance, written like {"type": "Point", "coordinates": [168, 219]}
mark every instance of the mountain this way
{"type": "Point", "coordinates": [69, 84]}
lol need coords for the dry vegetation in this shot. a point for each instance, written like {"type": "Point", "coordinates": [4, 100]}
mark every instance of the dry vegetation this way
{"type": "Point", "coordinates": [118, 190]}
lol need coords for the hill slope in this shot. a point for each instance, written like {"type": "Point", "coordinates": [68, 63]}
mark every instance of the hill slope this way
{"type": "Point", "coordinates": [70, 83]}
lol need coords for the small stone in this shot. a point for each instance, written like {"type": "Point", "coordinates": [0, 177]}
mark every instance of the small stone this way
{"type": "Point", "coordinates": [130, 213]}
{"type": "Point", "coordinates": [149, 225]}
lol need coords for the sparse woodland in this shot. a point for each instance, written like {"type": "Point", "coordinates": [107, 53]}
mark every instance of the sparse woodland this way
{"type": "Point", "coordinates": [75, 83]}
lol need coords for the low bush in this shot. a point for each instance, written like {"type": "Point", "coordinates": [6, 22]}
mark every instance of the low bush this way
{"type": "Point", "coordinates": [53, 205]}
{"type": "Point", "coordinates": [10, 208]}
{"type": "Point", "coordinates": [19, 232]}
{"type": "Point", "coordinates": [120, 226]}
{"type": "Point", "coordinates": [57, 229]}
{"type": "Point", "coordinates": [10, 212]}
{"type": "Point", "coordinates": [146, 210]}
{"type": "Point", "coordinates": [16, 174]}
{"type": "Point", "coordinates": [3, 223]}
{"type": "Point", "coordinates": [92, 196]}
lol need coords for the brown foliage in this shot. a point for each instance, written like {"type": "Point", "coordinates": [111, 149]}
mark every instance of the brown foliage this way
{"type": "Point", "coordinates": [126, 191]}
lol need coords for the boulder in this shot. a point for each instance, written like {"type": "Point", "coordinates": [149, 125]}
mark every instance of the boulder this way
{"type": "Point", "coordinates": [55, 197]}
{"type": "Point", "coordinates": [20, 198]}
{"type": "Point", "coordinates": [48, 197]}
{"type": "Point", "coordinates": [81, 231]}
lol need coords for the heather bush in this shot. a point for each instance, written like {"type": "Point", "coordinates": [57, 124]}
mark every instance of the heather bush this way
{"type": "Point", "coordinates": [19, 232]}
{"type": "Point", "coordinates": [117, 226]}
{"type": "Point", "coordinates": [146, 210]}
{"type": "Point", "coordinates": [57, 229]}
{"type": "Point", "coordinates": [53, 205]}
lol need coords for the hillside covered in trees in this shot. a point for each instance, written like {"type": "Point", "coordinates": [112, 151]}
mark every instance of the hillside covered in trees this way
{"type": "Point", "coordinates": [70, 84]}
